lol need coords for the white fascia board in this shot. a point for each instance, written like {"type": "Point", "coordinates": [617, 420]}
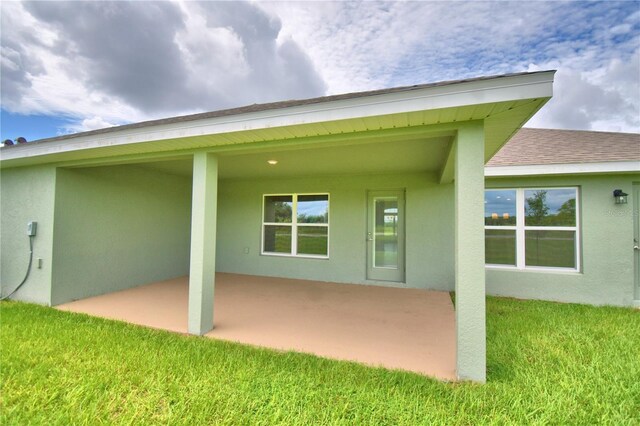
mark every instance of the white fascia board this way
{"type": "Point", "coordinates": [563, 169]}
{"type": "Point", "coordinates": [502, 89]}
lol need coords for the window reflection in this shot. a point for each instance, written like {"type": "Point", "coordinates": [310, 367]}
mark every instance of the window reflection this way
{"type": "Point", "coordinates": [500, 247]}
{"type": "Point", "coordinates": [550, 248]}
{"type": "Point", "coordinates": [500, 207]}
{"type": "Point", "coordinates": [313, 209]}
{"type": "Point", "coordinates": [550, 207]}
{"type": "Point", "coordinates": [277, 239]}
{"type": "Point", "coordinates": [277, 208]}
{"type": "Point", "coordinates": [313, 240]}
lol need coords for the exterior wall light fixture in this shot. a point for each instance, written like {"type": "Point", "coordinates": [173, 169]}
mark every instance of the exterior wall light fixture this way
{"type": "Point", "coordinates": [619, 196]}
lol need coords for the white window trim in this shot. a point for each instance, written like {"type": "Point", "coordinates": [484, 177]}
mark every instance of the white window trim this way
{"type": "Point", "coordinates": [521, 229]}
{"type": "Point", "coordinates": [294, 225]}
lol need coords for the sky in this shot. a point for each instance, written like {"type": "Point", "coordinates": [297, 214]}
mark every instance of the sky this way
{"type": "Point", "coordinates": [504, 201]}
{"type": "Point", "coordinates": [75, 66]}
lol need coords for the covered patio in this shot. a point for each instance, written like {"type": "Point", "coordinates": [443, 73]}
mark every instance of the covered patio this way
{"type": "Point", "coordinates": [197, 196]}
{"type": "Point", "coordinates": [396, 328]}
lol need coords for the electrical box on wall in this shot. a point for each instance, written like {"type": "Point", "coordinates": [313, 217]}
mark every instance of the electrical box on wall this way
{"type": "Point", "coordinates": [32, 227]}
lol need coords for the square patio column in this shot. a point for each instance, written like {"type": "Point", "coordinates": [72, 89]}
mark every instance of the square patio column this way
{"type": "Point", "coordinates": [202, 268]}
{"type": "Point", "coordinates": [471, 362]}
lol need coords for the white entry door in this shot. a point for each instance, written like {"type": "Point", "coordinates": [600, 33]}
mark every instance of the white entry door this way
{"type": "Point", "coordinates": [385, 236]}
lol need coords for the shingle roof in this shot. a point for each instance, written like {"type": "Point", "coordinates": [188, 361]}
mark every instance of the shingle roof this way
{"type": "Point", "coordinates": [549, 146]}
{"type": "Point", "coordinates": [277, 105]}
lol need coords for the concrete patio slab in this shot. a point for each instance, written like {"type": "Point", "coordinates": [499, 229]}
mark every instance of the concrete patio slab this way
{"type": "Point", "coordinates": [395, 328]}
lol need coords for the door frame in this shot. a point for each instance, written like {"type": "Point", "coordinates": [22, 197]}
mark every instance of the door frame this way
{"type": "Point", "coordinates": [386, 274]}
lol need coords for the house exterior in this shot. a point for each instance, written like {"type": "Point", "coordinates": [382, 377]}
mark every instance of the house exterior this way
{"type": "Point", "coordinates": [384, 187]}
{"type": "Point", "coordinates": [601, 263]}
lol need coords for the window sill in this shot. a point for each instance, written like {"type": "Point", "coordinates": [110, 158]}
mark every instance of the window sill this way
{"type": "Point", "coordinates": [562, 271]}
{"type": "Point", "coordinates": [295, 256]}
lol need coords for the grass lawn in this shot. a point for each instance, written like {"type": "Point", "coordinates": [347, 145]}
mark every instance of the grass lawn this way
{"type": "Point", "coordinates": [547, 364]}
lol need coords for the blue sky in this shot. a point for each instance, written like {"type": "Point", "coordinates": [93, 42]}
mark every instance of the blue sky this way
{"type": "Point", "coordinates": [75, 66]}
{"type": "Point", "coordinates": [312, 208]}
{"type": "Point", "coordinates": [32, 127]}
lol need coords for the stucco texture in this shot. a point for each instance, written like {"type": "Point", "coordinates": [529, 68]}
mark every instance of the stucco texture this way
{"type": "Point", "coordinates": [607, 274]}
{"type": "Point", "coordinates": [122, 226]}
{"type": "Point", "coordinates": [469, 254]}
{"type": "Point", "coordinates": [118, 227]}
{"type": "Point", "coordinates": [27, 194]}
{"type": "Point", "coordinates": [429, 229]}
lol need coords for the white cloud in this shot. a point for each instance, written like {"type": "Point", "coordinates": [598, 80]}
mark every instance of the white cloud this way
{"type": "Point", "coordinates": [94, 123]}
{"type": "Point", "coordinates": [214, 56]}
{"type": "Point", "coordinates": [51, 87]}
{"type": "Point", "coordinates": [366, 46]}
{"type": "Point", "coordinates": [10, 59]}
{"type": "Point", "coordinates": [144, 60]}
{"type": "Point", "coordinates": [131, 61]}
{"type": "Point", "coordinates": [593, 95]}
{"type": "Point", "coordinates": [621, 29]}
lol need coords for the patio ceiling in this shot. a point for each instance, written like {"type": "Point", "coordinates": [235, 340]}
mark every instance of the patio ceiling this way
{"type": "Point", "coordinates": [416, 154]}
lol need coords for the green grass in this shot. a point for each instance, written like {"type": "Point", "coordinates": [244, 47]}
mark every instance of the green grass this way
{"type": "Point", "coordinates": [547, 364]}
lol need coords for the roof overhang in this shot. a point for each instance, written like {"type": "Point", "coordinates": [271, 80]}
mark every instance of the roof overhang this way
{"type": "Point", "coordinates": [505, 103]}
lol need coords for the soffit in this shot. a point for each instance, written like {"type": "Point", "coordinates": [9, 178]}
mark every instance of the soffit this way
{"type": "Point", "coordinates": [501, 120]}
{"type": "Point", "coordinates": [504, 103]}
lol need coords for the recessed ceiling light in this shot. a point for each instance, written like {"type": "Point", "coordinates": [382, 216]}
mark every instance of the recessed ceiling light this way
{"type": "Point", "coordinates": [272, 162]}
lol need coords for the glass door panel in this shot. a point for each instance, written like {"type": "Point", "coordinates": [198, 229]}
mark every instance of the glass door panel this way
{"type": "Point", "coordinates": [385, 236]}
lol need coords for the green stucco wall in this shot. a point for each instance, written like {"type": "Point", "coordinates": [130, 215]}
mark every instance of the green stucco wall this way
{"type": "Point", "coordinates": [118, 227]}
{"type": "Point", "coordinates": [26, 194]}
{"type": "Point", "coordinates": [122, 226]}
{"type": "Point", "coordinates": [607, 247]}
{"type": "Point", "coordinates": [429, 228]}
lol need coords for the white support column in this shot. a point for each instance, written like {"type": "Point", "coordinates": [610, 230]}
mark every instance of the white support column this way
{"type": "Point", "coordinates": [203, 242]}
{"type": "Point", "coordinates": [469, 253]}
